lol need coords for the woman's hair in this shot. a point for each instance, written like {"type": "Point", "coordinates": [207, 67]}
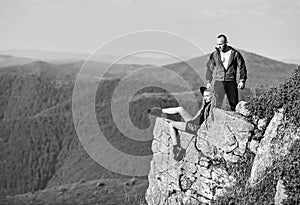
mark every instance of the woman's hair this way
{"type": "Point", "coordinates": [208, 112]}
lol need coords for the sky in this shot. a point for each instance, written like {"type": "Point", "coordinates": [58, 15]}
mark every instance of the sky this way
{"type": "Point", "coordinates": [266, 27]}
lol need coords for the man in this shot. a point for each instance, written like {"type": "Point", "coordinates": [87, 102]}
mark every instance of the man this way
{"type": "Point", "coordinates": [225, 61]}
{"type": "Point", "coordinates": [191, 124]}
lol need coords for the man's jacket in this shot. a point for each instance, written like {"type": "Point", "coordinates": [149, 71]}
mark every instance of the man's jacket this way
{"type": "Point", "coordinates": [236, 62]}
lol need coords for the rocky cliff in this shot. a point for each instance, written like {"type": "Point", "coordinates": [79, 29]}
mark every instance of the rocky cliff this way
{"type": "Point", "coordinates": [198, 178]}
{"type": "Point", "coordinates": [202, 175]}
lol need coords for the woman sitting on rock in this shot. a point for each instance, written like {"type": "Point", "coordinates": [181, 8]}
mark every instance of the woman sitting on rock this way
{"type": "Point", "coordinates": [191, 124]}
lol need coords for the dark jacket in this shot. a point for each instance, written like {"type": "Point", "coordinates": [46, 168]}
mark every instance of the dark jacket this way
{"type": "Point", "coordinates": [236, 61]}
{"type": "Point", "coordinates": [194, 124]}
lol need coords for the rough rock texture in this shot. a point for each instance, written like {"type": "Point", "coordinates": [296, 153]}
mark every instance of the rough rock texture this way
{"type": "Point", "coordinates": [197, 178]}
{"type": "Point", "coordinates": [272, 147]}
{"type": "Point", "coordinates": [226, 135]}
{"type": "Point", "coordinates": [241, 108]}
{"type": "Point", "coordinates": [280, 193]}
{"type": "Point", "coordinates": [253, 146]}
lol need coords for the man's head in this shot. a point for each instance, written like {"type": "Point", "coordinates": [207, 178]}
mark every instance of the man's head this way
{"type": "Point", "coordinates": [206, 94]}
{"type": "Point", "coordinates": [221, 42]}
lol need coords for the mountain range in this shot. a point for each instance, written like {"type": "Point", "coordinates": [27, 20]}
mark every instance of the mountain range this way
{"type": "Point", "coordinates": [39, 147]}
{"type": "Point", "coordinates": [62, 56]}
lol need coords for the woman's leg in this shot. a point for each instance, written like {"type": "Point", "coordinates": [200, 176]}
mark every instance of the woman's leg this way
{"type": "Point", "coordinates": [180, 110]}
{"type": "Point", "coordinates": [176, 125]}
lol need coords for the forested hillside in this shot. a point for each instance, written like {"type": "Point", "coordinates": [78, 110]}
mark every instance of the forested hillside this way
{"type": "Point", "coordinates": [39, 147]}
{"type": "Point", "coordinates": [38, 144]}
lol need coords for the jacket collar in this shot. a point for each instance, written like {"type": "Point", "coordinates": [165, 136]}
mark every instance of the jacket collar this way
{"type": "Point", "coordinates": [230, 58]}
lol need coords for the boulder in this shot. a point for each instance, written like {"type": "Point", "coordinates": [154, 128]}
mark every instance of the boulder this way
{"type": "Point", "coordinates": [280, 193]}
{"type": "Point", "coordinates": [253, 146]}
{"type": "Point", "coordinates": [273, 146]}
{"type": "Point", "coordinates": [226, 134]}
{"type": "Point", "coordinates": [241, 108]}
{"type": "Point", "coordinates": [196, 179]}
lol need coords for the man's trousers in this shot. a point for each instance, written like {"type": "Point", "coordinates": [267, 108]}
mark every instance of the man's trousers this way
{"type": "Point", "coordinates": [230, 89]}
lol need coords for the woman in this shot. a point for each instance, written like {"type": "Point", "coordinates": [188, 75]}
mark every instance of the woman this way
{"type": "Point", "coordinates": [191, 124]}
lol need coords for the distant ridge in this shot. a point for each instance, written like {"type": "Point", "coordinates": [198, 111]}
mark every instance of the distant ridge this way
{"type": "Point", "coordinates": [62, 56]}
{"type": "Point", "coordinates": [8, 60]}
{"type": "Point", "coordinates": [262, 71]}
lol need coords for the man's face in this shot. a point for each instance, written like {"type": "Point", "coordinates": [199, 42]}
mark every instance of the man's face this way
{"type": "Point", "coordinates": [207, 96]}
{"type": "Point", "coordinates": [221, 44]}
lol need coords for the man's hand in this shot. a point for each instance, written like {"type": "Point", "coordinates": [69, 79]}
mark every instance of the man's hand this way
{"type": "Point", "coordinates": [241, 85]}
{"type": "Point", "coordinates": [208, 85]}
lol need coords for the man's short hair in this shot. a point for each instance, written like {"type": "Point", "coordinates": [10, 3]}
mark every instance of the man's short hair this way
{"type": "Point", "coordinates": [223, 36]}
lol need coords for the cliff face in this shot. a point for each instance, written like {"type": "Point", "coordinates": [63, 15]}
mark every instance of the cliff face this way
{"type": "Point", "coordinates": [198, 177]}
